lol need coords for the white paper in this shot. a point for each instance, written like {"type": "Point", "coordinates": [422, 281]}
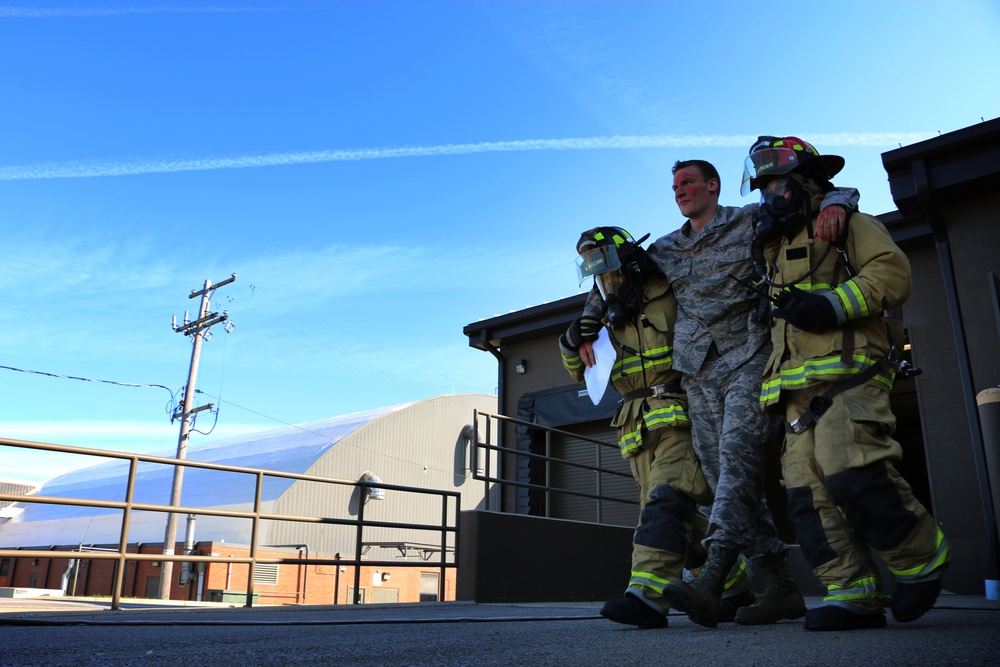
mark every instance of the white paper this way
{"type": "Point", "coordinates": [597, 376]}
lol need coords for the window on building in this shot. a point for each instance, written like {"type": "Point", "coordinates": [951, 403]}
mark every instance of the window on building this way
{"type": "Point", "coordinates": [429, 586]}
{"type": "Point", "coordinates": [4, 567]}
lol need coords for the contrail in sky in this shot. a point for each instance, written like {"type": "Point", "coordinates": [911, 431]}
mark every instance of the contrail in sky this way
{"type": "Point", "coordinates": [90, 12]}
{"type": "Point", "coordinates": [113, 167]}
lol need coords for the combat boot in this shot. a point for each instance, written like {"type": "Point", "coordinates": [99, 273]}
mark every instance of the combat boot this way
{"type": "Point", "coordinates": [781, 599]}
{"type": "Point", "coordinates": [700, 599]}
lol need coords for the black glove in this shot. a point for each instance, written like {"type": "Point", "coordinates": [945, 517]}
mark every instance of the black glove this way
{"type": "Point", "coordinates": [583, 330]}
{"type": "Point", "coordinates": [635, 258]}
{"type": "Point", "coordinates": [805, 310]}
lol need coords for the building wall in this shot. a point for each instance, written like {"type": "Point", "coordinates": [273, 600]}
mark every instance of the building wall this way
{"type": "Point", "coordinates": [312, 583]}
{"type": "Point", "coordinates": [957, 504]}
{"type": "Point", "coordinates": [421, 446]}
{"type": "Point", "coordinates": [308, 583]}
{"type": "Point", "coordinates": [90, 577]}
{"type": "Point", "coordinates": [544, 371]}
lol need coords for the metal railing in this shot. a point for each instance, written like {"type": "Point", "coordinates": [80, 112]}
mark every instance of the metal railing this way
{"type": "Point", "coordinates": [450, 508]}
{"type": "Point", "coordinates": [485, 436]}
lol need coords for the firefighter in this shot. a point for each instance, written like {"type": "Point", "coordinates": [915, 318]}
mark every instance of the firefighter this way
{"type": "Point", "coordinates": [652, 423]}
{"type": "Point", "coordinates": [829, 374]}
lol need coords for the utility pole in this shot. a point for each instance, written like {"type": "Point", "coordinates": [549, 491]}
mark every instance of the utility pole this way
{"type": "Point", "coordinates": [197, 330]}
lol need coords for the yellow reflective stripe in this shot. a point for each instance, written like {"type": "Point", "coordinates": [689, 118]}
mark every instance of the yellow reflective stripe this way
{"type": "Point", "coordinates": [770, 391]}
{"type": "Point", "coordinates": [572, 362]}
{"type": "Point", "coordinates": [654, 358]}
{"type": "Point", "coordinates": [824, 369]}
{"type": "Point", "coordinates": [814, 287]}
{"type": "Point", "coordinates": [649, 580]}
{"type": "Point", "coordinates": [867, 588]}
{"type": "Point", "coordinates": [854, 302]}
{"type": "Point", "coordinates": [736, 575]}
{"type": "Point", "coordinates": [631, 442]}
{"type": "Point", "coordinates": [940, 558]}
{"type": "Point", "coordinates": [667, 415]}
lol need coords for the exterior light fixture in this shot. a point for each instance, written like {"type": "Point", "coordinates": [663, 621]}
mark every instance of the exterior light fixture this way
{"type": "Point", "coordinates": [372, 492]}
{"type": "Point", "coordinates": [521, 367]}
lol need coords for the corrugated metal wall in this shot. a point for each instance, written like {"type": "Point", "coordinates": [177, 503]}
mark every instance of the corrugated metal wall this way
{"type": "Point", "coordinates": [419, 445]}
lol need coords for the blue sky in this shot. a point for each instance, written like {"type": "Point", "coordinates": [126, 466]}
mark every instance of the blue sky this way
{"type": "Point", "coordinates": [381, 174]}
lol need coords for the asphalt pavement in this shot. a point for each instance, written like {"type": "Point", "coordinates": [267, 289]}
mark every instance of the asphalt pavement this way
{"type": "Point", "coordinates": [959, 630]}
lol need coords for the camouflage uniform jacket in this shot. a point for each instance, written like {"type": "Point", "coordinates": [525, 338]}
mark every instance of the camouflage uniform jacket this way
{"type": "Point", "coordinates": [879, 279]}
{"type": "Point", "coordinates": [715, 308]}
{"type": "Point", "coordinates": [644, 353]}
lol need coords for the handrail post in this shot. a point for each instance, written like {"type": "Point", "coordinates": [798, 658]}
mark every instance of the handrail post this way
{"type": "Point", "coordinates": [444, 543]}
{"type": "Point", "coordinates": [116, 589]}
{"type": "Point", "coordinates": [600, 486]}
{"type": "Point", "coordinates": [548, 473]}
{"type": "Point", "coordinates": [362, 498]}
{"type": "Point", "coordinates": [254, 531]}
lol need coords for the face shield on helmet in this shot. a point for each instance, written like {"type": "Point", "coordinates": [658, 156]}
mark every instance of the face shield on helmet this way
{"type": "Point", "coordinates": [767, 162]}
{"type": "Point", "coordinates": [596, 261]}
{"type": "Point", "coordinates": [598, 251]}
{"type": "Point", "coordinates": [774, 156]}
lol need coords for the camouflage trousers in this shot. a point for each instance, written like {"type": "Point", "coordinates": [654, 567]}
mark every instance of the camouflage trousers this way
{"type": "Point", "coordinates": [731, 436]}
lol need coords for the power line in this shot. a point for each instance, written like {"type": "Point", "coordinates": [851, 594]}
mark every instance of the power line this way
{"type": "Point", "coordinates": [73, 377]}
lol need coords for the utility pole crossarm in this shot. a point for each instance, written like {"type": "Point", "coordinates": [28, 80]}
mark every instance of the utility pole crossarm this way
{"type": "Point", "coordinates": [209, 287]}
{"type": "Point", "coordinates": [203, 323]}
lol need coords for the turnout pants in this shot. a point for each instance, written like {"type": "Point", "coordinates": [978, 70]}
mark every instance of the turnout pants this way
{"type": "Point", "coordinates": [671, 486]}
{"type": "Point", "coordinates": [845, 495]}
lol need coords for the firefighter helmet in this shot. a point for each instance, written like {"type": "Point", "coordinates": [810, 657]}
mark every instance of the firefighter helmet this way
{"type": "Point", "coordinates": [598, 249]}
{"type": "Point", "coordinates": [774, 156]}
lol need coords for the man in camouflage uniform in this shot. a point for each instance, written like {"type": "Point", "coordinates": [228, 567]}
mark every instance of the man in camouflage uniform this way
{"type": "Point", "coordinates": [721, 346]}
{"type": "Point", "coordinates": [829, 376]}
{"type": "Point", "coordinates": [652, 422]}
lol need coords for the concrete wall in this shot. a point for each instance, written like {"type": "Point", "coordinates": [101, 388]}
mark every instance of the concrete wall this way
{"type": "Point", "coordinates": [551, 561]}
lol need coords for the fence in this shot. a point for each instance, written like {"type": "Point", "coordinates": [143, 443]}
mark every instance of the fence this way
{"type": "Point", "coordinates": [487, 430]}
{"type": "Point", "coordinates": [448, 526]}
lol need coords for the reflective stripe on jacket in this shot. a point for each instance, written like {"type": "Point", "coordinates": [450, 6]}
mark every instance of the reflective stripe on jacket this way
{"type": "Point", "coordinates": [881, 281]}
{"type": "Point", "coordinates": [644, 358]}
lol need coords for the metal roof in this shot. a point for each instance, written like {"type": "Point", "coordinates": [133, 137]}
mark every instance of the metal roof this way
{"type": "Point", "coordinates": [288, 449]}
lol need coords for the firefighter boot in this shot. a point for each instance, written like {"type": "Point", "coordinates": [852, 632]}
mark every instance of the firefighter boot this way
{"type": "Point", "coordinates": [911, 601]}
{"type": "Point", "coordinates": [782, 598]}
{"type": "Point", "coordinates": [700, 599]}
{"type": "Point", "coordinates": [631, 610]}
{"type": "Point", "coordinates": [845, 616]}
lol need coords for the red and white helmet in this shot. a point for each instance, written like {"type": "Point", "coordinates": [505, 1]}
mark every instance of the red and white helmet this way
{"type": "Point", "coordinates": [774, 156]}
